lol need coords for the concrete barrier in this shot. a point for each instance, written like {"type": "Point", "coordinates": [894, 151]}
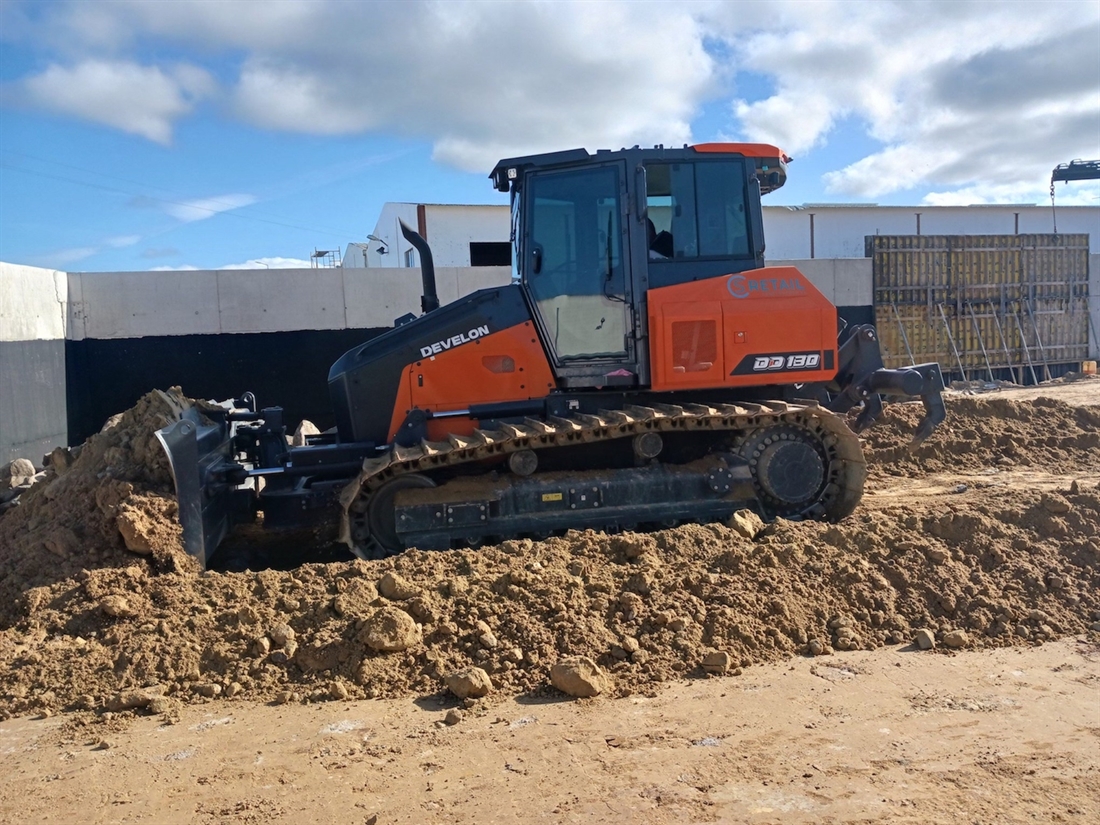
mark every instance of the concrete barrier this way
{"type": "Point", "coordinates": [1094, 307]}
{"type": "Point", "coordinates": [113, 305]}
{"type": "Point", "coordinates": [32, 361]}
{"type": "Point", "coordinates": [844, 281]}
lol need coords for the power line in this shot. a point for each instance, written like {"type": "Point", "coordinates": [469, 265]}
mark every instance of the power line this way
{"type": "Point", "coordinates": [230, 209]}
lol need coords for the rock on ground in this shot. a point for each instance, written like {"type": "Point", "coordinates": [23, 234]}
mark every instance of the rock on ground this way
{"type": "Point", "coordinates": [924, 639]}
{"type": "Point", "coordinates": [578, 676]}
{"type": "Point", "coordinates": [390, 629]}
{"type": "Point", "coordinates": [746, 523]}
{"type": "Point", "coordinates": [469, 683]}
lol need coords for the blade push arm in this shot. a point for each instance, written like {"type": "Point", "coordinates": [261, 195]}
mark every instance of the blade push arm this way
{"type": "Point", "coordinates": [862, 379]}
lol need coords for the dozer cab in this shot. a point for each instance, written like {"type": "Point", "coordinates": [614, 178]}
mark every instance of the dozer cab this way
{"type": "Point", "coordinates": [642, 369]}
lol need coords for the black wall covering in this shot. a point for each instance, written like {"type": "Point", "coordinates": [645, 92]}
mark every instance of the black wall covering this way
{"type": "Point", "coordinates": [283, 369]}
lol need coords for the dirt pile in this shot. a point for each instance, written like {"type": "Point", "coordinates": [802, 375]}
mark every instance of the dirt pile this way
{"type": "Point", "coordinates": [125, 631]}
{"type": "Point", "coordinates": [113, 491]}
{"type": "Point", "coordinates": [981, 431]}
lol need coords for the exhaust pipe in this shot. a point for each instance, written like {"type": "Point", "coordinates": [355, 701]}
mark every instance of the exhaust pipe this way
{"type": "Point", "coordinates": [430, 299]}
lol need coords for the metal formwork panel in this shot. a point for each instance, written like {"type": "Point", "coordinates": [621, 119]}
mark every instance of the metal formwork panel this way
{"type": "Point", "coordinates": [978, 303]}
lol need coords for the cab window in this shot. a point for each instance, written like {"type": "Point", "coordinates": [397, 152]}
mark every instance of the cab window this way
{"type": "Point", "coordinates": [696, 210]}
{"type": "Point", "coordinates": [575, 272]}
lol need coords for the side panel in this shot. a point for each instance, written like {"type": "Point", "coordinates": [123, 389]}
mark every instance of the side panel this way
{"type": "Point", "coordinates": [367, 383]}
{"type": "Point", "coordinates": [741, 330]}
{"type": "Point", "coordinates": [509, 365]}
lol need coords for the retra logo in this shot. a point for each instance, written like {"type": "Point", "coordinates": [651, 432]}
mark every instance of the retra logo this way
{"type": "Point", "coordinates": [741, 287]}
{"type": "Point", "coordinates": [737, 286]}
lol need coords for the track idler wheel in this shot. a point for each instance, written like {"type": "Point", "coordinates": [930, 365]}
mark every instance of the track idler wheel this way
{"type": "Point", "coordinates": [373, 521]}
{"type": "Point", "coordinates": [788, 468]}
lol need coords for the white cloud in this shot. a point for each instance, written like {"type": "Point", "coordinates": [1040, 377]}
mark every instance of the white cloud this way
{"type": "Point", "coordinates": [288, 98]}
{"type": "Point", "coordinates": [795, 122]}
{"type": "Point", "coordinates": [203, 208]}
{"type": "Point", "coordinates": [963, 97]}
{"type": "Point", "coordinates": [1076, 194]}
{"type": "Point", "coordinates": [898, 167]}
{"type": "Point", "coordinates": [64, 257]}
{"type": "Point", "coordinates": [142, 100]}
{"type": "Point", "coordinates": [122, 241]}
{"type": "Point", "coordinates": [61, 257]}
{"type": "Point", "coordinates": [479, 80]}
{"type": "Point", "coordinates": [977, 101]}
{"type": "Point", "coordinates": [273, 262]}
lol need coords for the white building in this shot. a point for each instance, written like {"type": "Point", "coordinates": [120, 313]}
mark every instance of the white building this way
{"type": "Point", "coordinates": [460, 235]}
{"type": "Point", "coordinates": [838, 230]}
{"type": "Point", "coordinates": [475, 235]}
{"type": "Point", "coordinates": [355, 255]}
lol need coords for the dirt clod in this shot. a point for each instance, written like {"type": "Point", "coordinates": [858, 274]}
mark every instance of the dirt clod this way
{"type": "Point", "coordinates": [578, 676]}
{"type": "Point", "coordinates": [746, 523]}
{"type": "Point", "coordinates": [117, 606]}
{"type": "Point", "coordinates": [389, 630]}
{"type": "Point", "coordinates": [472, 682]}
{"type": "Point", "coordinates": [955, 639]}
{"type": "Point", "coordinates": [718, 662]}
{"type": "Point", "coordinates": [394, 587]}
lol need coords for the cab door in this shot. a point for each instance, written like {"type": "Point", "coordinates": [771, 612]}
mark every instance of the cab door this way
{"type": "Point", "coordinates": [575, 273]}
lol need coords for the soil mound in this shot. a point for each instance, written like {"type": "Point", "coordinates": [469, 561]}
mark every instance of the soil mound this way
{"type": "Point", "coordinates": [99, 627]}
{"type": "Point", "coordinates": [984, 430]}
{"type": "Point", "coordinates": [114, 489]}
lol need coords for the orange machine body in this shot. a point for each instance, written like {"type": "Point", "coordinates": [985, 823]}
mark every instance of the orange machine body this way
{"type": "Point", "coordinates": [762, 326]}
{"type": "Point", "coordinates": [509, 365]}
{"type": "Point", "coordinates": [753, 328]}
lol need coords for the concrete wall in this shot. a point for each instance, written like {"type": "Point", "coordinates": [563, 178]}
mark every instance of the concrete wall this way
{"type": "Point", "coordinates": [111, 305]}
{"type": "Point", "coordinates": [844, 281]}
{"type": "Point", "coordinates": [1094, 307]}
{"type": "Point", "coordinates": [839, 231]}
{"type": "Point", "coordinates": [220, 332]}
{"type": "Point", "coordinates": [32, 362]}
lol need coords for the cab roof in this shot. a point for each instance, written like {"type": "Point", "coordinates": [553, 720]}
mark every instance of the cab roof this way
{"type": "Point", "coordinates": [771, 161]}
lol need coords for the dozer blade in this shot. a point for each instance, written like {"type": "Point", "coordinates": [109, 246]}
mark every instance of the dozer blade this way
{"type": "Point", "coordinates": [196, 449]}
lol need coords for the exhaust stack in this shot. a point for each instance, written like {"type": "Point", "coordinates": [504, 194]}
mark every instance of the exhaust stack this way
{"type": "Point", "coordinates": [430, 299]}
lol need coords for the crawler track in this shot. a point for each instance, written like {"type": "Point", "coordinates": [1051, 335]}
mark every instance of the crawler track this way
{"type": "Point", "coordinates": [748, 428]}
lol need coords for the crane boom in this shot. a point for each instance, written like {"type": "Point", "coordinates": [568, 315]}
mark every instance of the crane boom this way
{"type": "Point", "coordinates": [1076, 170]}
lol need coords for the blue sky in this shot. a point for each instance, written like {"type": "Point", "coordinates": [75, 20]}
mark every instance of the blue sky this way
{"type": "Point", "coordinates": [137, 134]}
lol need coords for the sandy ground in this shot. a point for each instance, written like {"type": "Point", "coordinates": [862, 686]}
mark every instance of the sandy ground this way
{"type": "Point", "coordinates": [891, 734]}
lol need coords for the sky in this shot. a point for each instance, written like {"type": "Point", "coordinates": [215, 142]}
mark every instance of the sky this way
{"type": "Point", "coordinates": [148, 134]}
